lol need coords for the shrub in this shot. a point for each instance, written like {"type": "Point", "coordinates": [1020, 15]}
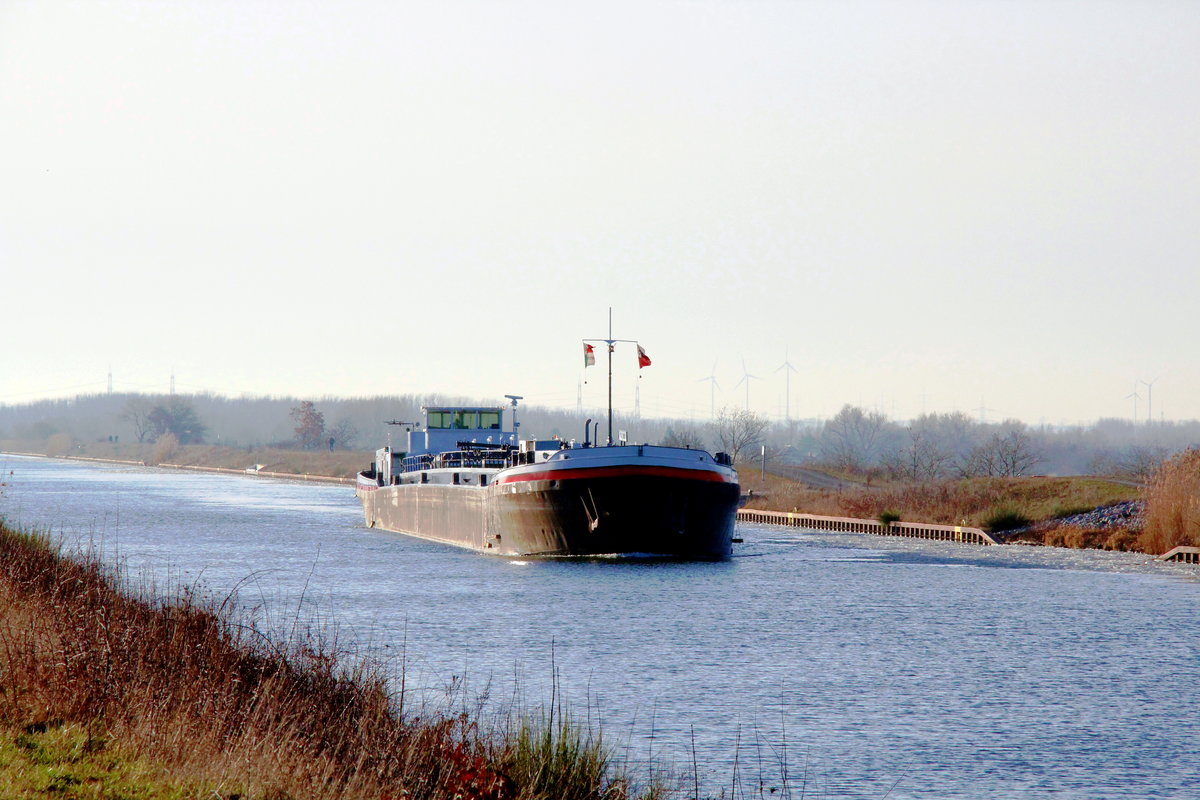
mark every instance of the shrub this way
{"type": "Point", "coordinates": [1004, 518]}
{"type": "Point", "coordinates": [164, 448]}
{"type": "Point", "coordinates": [60, 444]}
{"type": "Point", "coordinates": [554, 757]}
{"type": "Point", "coordinates": [1122, 540]}
{"type": "Point", "coordinates": [888, 516]}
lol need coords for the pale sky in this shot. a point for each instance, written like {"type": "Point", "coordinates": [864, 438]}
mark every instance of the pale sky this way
{"type": "Point", "coordinates": [925, 206]}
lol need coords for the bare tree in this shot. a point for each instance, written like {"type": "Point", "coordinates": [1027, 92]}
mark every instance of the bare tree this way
{"type": "Point", "coordinates": [137, 412]}
{"type": "Point", "coordinates": [979, 463]}
{"type": "Point", "coordinates": [683, 437]}
{"type": "Point", "coordinates": [1140, 463]}
{"type": "Point", "coordinates": [851, 440]}
{"type": "Point", "coordinates": [921, 456]}
{"type": "Point", "coordinates": [958, 434]}
{"type": "Point", "coordinates": [737, 429]}
{"type": "Point", "coordinates": [344, 434]}
{"type": "Point", "coordinates": [1008, 453]}
{"type": "Point", "coordinates": [1016, 453]}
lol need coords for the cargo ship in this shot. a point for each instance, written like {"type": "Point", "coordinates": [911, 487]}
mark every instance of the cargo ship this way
{"type": "Point", "coordinates": [462, 480]}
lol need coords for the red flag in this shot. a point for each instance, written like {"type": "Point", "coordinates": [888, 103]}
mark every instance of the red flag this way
{"type": "Point", "coordinates": [589, 355]}
{"type": "Point", "coordinates": [643, 359]}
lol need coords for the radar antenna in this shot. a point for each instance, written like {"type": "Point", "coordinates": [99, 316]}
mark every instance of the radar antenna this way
{"type": "Point", "coordinates": [514, 398]}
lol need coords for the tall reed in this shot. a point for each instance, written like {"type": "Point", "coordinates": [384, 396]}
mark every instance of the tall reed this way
{"type": "Point", "coordinates": [1172, 516]}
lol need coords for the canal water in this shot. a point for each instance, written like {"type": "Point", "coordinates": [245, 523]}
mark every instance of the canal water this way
{"type": "Point", "coordinates": [827, 665]}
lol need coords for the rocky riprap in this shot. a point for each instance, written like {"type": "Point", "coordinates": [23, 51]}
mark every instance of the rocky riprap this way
{"type": "Point", "coordinates": [1126, 514]}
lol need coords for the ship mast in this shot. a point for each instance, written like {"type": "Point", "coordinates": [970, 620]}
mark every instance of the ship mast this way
{"type": "Point", "coordinates": [610, 343]}
{"type": "Point", "coordinates": [610, 352]}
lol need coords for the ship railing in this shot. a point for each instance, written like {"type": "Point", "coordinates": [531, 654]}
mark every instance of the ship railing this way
{"type": "Point", "coordinates": [416, 463]}
{"type": "Point", "coordinates": [473, 459]}
{"type": "Point", "coordinates": [458, 459]}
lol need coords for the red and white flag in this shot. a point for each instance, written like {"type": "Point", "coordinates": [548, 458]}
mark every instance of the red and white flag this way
{"type": "Point", "coordinates": [643, 359]}
{"type": "Point", "coordinates": [589, 355]}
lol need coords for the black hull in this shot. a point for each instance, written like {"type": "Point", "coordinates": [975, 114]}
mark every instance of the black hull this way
{"type": "Point", "coordinates": [622, 515]}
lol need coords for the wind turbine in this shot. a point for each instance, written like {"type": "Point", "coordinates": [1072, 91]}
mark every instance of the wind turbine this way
{"type": "Point", "coordinates": [746, 378]}
{"type": "Point", "coordinates": [712, 390]}
{"type": "Point", "coordinates": [787, 383]}
{"type": "Point", "coordinates": [1150, 399]}
{"type": "Point", "coordinates": [1135, 397]}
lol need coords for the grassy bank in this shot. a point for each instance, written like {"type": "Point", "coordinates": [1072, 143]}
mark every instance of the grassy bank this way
{"type": "Point", "coordinates": [114, 692]}
{"type": "Point", "coordinates": [1047, 510]}
{"type": "Point", "coordinates": [1038, 504]}
{"type": "Point", "coordinates": [976, 501]}
{"type": "Point", "coordinates": [336, 464]}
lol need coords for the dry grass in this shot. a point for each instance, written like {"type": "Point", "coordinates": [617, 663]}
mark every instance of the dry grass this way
{"type": "Point", "coordinates": [193, 685]}
{"type": "Point", "coordinates": [336, 464]}
{"type": "Point", "coordinates": [1173, 505]}
{"type": "Point", "coordinates": [971, 502]}
{"type": "Point", "coordinates": [1119, 539]}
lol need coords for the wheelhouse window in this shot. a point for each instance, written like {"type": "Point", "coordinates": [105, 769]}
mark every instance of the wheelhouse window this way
{"type": "Point", "coordinates": [463, 419]}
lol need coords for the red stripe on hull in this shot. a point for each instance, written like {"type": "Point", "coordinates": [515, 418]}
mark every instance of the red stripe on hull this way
{"type": "Point", "coordinates": [617, 472]}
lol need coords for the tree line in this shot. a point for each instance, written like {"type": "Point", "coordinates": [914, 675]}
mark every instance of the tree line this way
{"type": "Point", "coordinates": [855, 440]}
{"type": "Point", "coordinates": [939, 446]}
